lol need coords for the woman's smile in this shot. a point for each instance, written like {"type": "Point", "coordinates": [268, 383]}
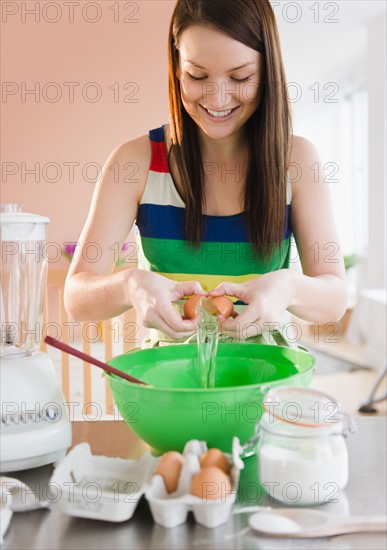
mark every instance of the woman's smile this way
{"type": "Point", "coordinates": [219, 116]}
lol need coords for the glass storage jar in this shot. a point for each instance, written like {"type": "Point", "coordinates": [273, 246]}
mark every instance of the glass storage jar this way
{"type": "Point", "coordinates": [302, 454]}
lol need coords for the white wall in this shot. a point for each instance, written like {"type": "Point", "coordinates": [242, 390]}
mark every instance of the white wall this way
{"type": "Point", "coordinates": [348, 54]}
{"type": "Point", "coordinates": [343, 42]}
{"type": "Point", "coordinates": [375, 272]}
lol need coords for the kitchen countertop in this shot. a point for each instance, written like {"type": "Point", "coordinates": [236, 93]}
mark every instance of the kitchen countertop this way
{"type": "Point", "coordinates": [51, 529]}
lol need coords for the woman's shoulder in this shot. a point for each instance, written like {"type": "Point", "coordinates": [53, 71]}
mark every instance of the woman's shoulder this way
{"type": "Point", "coordinates": [130, 162]}
{"type": "Point", "coordinates": [135, 150]}
{"type": "Point", "coordinates": [302, 161]}
{"type": "Point", "coordinates": [301, 149]}
{"type": "Point", "coordinates": [139, 149]}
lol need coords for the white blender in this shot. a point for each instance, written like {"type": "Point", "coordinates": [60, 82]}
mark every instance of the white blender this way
{"type": "Point", "coordinates": [35, 429]}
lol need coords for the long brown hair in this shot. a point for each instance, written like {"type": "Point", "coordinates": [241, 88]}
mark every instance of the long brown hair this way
{"type": "Point", "coordinates": [253, 23]}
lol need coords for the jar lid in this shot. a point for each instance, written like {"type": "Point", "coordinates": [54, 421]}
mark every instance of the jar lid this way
{"type": "Point", "coordinates": [306, 408]}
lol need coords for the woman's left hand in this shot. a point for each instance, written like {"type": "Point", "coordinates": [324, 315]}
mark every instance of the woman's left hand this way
{"type": "Point", "coordinates": [267, 296]}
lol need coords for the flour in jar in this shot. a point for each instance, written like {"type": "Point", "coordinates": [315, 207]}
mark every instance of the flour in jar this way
{"type": "Point", "coordinates": [312, 472]}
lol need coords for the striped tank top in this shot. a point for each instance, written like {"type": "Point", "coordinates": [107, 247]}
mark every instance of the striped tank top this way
{"type": "Point", "coordinates": [225, 253]}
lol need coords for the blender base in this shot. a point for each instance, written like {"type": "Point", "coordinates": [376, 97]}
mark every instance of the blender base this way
{"type": "Point", "coordinates": [35, 428]}
{"type": "Point", "coordinates": [28, 463]}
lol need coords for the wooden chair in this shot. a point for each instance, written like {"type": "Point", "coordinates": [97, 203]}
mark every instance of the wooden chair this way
{"type": "Point", "coordinates": [105, 333]}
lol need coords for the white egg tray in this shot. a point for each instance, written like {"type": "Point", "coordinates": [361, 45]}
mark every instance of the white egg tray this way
{"type": "Point", "coordinates": [109, 489]}
{"type": "Point", "coordinates": [101, 487]}
{"type": "Point", "coordinates": [170, 510]}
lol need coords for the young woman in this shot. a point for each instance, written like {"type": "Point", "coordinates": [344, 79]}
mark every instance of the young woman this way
{"type": "Point", "coordinates": [219, 191]}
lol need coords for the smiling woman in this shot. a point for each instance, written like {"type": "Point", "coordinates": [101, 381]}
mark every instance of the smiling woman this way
{"type": "Point", "coordinates": [224, 48]}
{"type": "Point", "coordinates": [218, 193]}
{"type": "Point", "coordinates": [221, 84]}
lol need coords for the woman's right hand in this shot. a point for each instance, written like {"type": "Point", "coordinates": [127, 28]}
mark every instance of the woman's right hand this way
{"type": "Point", "coordinates": [152, 295]}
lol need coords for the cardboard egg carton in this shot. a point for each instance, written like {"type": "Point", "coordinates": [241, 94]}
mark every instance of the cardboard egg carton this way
{"type": "Point", "coordinates": [109, 489]}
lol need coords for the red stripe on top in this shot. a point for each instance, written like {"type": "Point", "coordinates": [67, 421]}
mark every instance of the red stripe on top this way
{"type": "Point", "coordinates": [159, 162]}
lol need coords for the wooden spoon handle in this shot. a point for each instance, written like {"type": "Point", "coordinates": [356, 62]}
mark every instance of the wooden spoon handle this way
{"type": "Point", "coordinates": [372, 527]}
{"type": "Point", "coordinates": [358, 524]}
{"type": "Point", "coordinates": [365, 523]}
{"type": "Point", "coordinates": [92, 360]}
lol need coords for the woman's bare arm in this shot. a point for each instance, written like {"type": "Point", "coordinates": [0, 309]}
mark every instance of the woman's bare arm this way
{"type": "Point", "coordinates": [320, 291]}
{"type": "Point", "coordinates": [92, 291]}
{"type": "Point", "coordinates": [318, 294]}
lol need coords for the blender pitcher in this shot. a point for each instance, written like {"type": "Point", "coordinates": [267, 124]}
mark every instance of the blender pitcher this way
{"type": "Point", "coordinates": [23, 280]}
{"type": "Point", "coordinates": [35, 428]}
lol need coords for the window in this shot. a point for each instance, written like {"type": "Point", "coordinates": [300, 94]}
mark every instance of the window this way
{"type": "Point", "coordinates": [340, 133]}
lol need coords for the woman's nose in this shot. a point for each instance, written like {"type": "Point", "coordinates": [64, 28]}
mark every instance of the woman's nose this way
{"type": "Point", "coordinates": [218, 94]}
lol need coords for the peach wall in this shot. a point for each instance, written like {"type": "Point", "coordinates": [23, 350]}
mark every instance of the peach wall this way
{"type": "Point", "coordinates": [37, 51]}
{"type": "Point", "coordinates": [55, 41]}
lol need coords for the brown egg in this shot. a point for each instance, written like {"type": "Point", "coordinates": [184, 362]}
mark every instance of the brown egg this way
{"type": "Point", "coordinates": [215, 306]}
{"type": "Point", "coordinates": [215, 457]}
{"type": "Point", "coordinates": [224, 305]}
{"type": "Point", "coordinates": [169, 468]}
{"type": "Point", "coordinates": [211, 484]}
{"type": "Point", "coordinates": [190, 306]}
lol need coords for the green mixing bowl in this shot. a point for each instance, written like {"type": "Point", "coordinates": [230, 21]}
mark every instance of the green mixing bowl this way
{"type": "Point", "coordinates": [174, 409]}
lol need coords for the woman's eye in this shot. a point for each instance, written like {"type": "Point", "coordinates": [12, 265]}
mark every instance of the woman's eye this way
{"type": "Point", "coordinates": [241, 79]}
{"type": "Point", "coordinates": [196, 77]}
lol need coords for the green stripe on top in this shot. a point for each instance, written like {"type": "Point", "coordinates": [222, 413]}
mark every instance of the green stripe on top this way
{"type": "Point", "coordinates": [212, 258]}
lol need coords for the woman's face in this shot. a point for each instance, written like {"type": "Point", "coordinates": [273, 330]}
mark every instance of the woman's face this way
{"type": "Point", "coordinates": [219, 79]}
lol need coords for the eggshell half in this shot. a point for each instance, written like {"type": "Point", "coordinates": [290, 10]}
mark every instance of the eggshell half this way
{"type": "Point", "coordinates": [215, 306]}
{"type": "Point", "coordinates": [224, 305]}
{"type": "Point", "coordinates": [190, 306]}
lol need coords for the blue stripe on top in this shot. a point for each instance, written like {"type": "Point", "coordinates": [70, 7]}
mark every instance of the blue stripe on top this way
{"type": "Point", "coordinates": [167, 222]}
{"type": "Point", "coordinates": [157, 134]}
